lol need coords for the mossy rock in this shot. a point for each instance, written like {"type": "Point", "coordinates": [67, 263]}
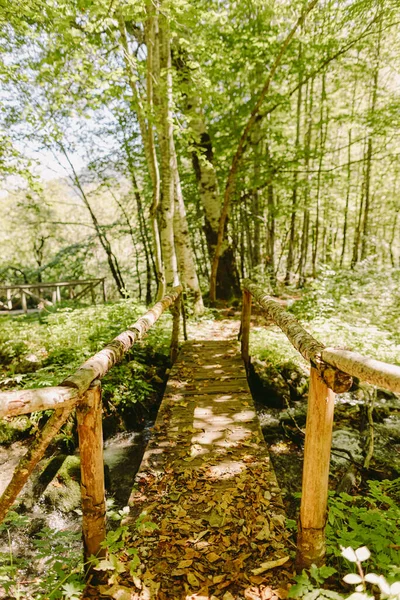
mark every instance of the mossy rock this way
{"type": "Point", "coordinates": [15, 429]}
{"type": "Point", "coordinates": [296, 377]}
{"type": "Point", "coordinates": [64, 492]}
{"type": "Point", "coordinates": [268, 385]}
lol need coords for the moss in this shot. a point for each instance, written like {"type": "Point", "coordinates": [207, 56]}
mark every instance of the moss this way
{"type": "Point", "coordinates": [64, 491]}
{"type": "Point", "coordinates": [14, 429]}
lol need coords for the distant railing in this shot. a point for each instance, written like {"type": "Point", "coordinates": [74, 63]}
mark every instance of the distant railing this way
{"type": "Point", "coordinates": [38, 292]}
{"type": "Point", "coordinates": [82, 390]}
{"type": "Point", "coordinates": [332, 370]}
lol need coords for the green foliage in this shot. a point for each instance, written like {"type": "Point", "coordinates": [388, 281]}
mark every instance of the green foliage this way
{"type": "Point", "coordinates": [307, 584]}
{"type": "Point", "coordinates": [357, 309]}
{"type": "Point", "coordinates": [63, 339]}
{"type": "Point", "coordinates": [371, 519]}
{"type": "Point", "coordinates": [56, 553]}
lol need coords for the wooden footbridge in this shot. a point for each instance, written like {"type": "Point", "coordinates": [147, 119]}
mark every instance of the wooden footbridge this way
{"type": "Point", "coordinates": [206, 518]}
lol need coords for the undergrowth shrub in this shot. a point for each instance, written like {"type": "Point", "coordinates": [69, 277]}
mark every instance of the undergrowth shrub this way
{"type": "Point", "coordinates": [371, 519]}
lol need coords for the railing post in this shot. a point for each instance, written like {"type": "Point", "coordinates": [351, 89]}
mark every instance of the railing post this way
{"type": "Point", "coordinates": [317, 451]}
{"type": "Point", "coordinates": [176, 313]}
{"type": "Point", "coordinates": [23, 302]}
{"type": "Point", "coordinates": [245, 328]}
{"type": "Point", "coordinates": [9, 300]}
{"type": "Point", "coordinates": [90, 432]}
{"type": "Point", "coordinates": [103, 285]}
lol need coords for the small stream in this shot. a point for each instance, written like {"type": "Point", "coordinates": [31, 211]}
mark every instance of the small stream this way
{"type": "Point", "coordinates": [122, 456]}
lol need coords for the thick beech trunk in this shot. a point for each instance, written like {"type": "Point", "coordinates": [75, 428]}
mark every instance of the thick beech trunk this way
{"type": "Point", "coordinates": [203, 163]}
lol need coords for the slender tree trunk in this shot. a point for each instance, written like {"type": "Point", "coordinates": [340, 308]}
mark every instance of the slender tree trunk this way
{"type": "Point", "coordinates": [323, 137]}
{"type": "Point", "coordinates": [306, 213]}
{"type": "Point", "coordinates": [359, 219]}
{"type": "Point", "coordinates": [231, 180]}
{"type": "Point", "coordinates": [165, 136]}
{"type": "Point", "coordinates": [144, 233]}
{"type": "Point", "coordinates": [183, 245]}
{"type": "Point", "coordinates": [367, 206]}
{"type": "Point", "coordinates": [270, 242]}
{"type": "Point", "coordinates": [146, 130]}
{"type": "Point", "coordinates": [292, 230]}
{"type": "Point", "coordinates": [101, 235]}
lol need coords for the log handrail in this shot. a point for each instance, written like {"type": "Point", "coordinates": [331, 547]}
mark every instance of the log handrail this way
{"type": "Point", "coordinates": [25, 289]}
{"type": "Point", "coordinates": [83, 390]}
{"type": "Point", "coordinates": [50, 284]}
{"type": "Point", "coordinates": [332, 370]}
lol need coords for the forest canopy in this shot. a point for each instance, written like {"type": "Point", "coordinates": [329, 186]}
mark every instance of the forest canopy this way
{"type": "Point", "coordinates": [201, 142]}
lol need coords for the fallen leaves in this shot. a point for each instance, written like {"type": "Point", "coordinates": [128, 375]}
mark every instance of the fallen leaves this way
{"type": "Point", "coordinates": [217, 529]}
{"type": "Point", "coordinates": [270, 564]}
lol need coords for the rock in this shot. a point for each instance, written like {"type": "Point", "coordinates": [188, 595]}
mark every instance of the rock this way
{"type": "Point", "coordinates": [14, 429]}
{"type": "Point", "coordinates": [297, 378]}
{"type": "Point", "coordinates": [347, 439]}
{"type": "Point", "coordinates": [267, 384]}
{"type": "Point", "coordinates": [29, 363]}
{"type": "Point", "coordinates": [64, 491]}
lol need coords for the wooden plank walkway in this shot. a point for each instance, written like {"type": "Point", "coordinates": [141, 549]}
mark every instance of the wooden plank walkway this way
{"type": "Point", "coordinates": [206, 512]}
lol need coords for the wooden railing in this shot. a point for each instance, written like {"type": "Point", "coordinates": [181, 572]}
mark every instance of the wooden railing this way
{"type": "Point", "coordinates": [82, 390]}
{"type": "Point", "coordinates": [38, 292]}
{"type": "Point", "coordinates": [332, 370]}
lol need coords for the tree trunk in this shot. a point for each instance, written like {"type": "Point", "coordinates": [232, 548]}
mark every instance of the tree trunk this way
{"type": "Point", "coordinates": [183, 244]}
{"type": "Point", "coordinates": [292, 230]}
{"type": "Point", "coordinates": [367, 206]}
{"type": "Point", "coordinates": [146, 130]}
{"type": "Point", "coordinates": [165, 135]}
{"type": "Point", "coordinates": [101, 235]}
{"type": "Point", "coordinates": [233, 171]}
{"type": "Point", "coordinates": [227, 283]}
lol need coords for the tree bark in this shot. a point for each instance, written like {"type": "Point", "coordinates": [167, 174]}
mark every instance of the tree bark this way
{"type": "Point", "coordinates": [163, 94]}
{"type": "Point", "coordinates": [227, 283]}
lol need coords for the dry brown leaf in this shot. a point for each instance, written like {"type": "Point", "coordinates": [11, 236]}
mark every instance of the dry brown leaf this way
{"type": "Point", "coordinates": [270, 565]}
{"type": "Point", "coordinates": [212, 557]}
{"type": "Point", "coordinates": [252, 594]}
{"type": "Point", "coordinates": [192, 580]}
{"type": "Point", "coordinates": [228, 596]}
{"type": "Point", "coordinates": [183, 564]}
{"type": "Point", "coordinates": [266, 593]}
{"type": "Point", "coordinates": [218, 578]}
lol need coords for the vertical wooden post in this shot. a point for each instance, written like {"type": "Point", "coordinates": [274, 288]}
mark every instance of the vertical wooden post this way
{"type": "Point", "coordinates": [317, 451]}
{"type": "Point", "coordinates": [184, 323]}
{"type": "Point", "coordinates": [175, 310]}
{"type": "Point", "coordinates": [92, 293]}
{"type": "Point", "coordinates": [58, 293]}
{"type": "Point", "coordinates": [9, 300]}
{"type": "Point", "coordinates": [23, 301]}
{"type": "Point", "coordinates": [245, 326]}
{"type": "Point", "coordinates": [90, 432]}
{"type": "Point", "coordinates": [103, 283]}
{"type": "Point", "coordinates": [54, 296]}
